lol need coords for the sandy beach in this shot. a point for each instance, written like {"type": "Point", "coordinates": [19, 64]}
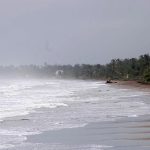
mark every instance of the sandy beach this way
{"type": "Point", "coordinates": [132, 84]}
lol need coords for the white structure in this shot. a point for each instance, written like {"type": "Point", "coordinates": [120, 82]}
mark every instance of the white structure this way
{"type": "Point", "coordinates": [59, 73]}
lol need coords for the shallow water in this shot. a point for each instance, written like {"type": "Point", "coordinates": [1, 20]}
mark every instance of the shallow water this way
{"type": "Point", "coordinates": [30, 107]}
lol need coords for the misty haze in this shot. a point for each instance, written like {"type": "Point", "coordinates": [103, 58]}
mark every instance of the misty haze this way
{"type": "Point", "coordinates": [74, 75]}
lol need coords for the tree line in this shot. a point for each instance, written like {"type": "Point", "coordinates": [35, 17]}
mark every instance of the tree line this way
{"type": "Point", "coordinates": [120, 69]}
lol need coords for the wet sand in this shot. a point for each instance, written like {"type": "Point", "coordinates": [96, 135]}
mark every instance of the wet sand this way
{"type": "Point", "coordinates": [132, 85]}
{"type": "Point", "coordinates": [123, 134]}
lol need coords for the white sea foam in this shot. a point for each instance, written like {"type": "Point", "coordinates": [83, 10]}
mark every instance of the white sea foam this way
{"type": "Point", "coordinates": [6, 146]}
{"type": "Point", "coordinates": [22, 97]}
{"type": "Point", "coordinates": [57, 146]}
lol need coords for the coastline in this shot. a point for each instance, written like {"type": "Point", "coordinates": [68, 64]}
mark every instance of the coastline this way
{"type": "Point", "coordinates": [122, 134]}
{"type": "Point", "coordinates": [131, 84]}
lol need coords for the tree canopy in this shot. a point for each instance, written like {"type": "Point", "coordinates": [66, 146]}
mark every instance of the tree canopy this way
{"type": "Point", "coordinates": [125, 69]}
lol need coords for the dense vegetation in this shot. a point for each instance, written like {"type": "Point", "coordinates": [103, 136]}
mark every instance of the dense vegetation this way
{"type": "Point", "coordinates": [125, 69]}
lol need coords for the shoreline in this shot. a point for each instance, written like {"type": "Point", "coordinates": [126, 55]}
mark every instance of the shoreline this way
{"type": "Point", "coordinates": [130, 84]}
{"type": "Point", "coordinates": [94, 136]}
{"type": "Point", "coordinates": [125, 133]}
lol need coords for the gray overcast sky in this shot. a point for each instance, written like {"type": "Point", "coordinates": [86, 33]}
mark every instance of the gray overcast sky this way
{"type": "Point", "coordinates": [73, 31]}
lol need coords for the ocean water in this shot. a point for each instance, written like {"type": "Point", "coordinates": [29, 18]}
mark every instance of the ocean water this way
{"type": "Point", "coordinates": [29, 107]}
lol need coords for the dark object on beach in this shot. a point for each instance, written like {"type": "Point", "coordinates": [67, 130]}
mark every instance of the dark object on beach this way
{"type": "Point", "coordinates": [109, 81]}
{"type": "Point", "coordinates": [25, 119]}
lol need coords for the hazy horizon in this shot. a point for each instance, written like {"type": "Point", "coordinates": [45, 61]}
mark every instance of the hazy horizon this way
{"type": "Point", "coordinates": [61, 64]}
{"type": "Point", "coordinates": [73, 31]}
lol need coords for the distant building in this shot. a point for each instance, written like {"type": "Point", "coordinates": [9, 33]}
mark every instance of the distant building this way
{"type": "Point", "coordinates": [59, 73]}
{"type": "Point", "coordinates": [127, 76]}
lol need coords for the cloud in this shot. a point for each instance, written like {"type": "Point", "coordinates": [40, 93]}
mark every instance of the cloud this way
{"type": "Point", "coordinates": [78, 31]}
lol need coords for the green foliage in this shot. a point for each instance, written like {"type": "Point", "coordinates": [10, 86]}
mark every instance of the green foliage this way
{"type": "Point", "coordinates": [126, 69]}
{"type": "Point", "coordinates": [147, 76]}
